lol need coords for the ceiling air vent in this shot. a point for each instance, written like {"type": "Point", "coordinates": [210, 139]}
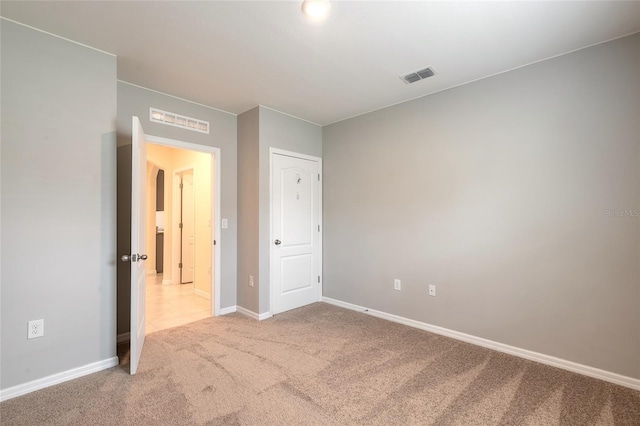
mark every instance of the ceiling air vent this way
{"type": "Point", "coordinates": [176, 120]}
{"type": "Point", "coordinates": [418, 75]}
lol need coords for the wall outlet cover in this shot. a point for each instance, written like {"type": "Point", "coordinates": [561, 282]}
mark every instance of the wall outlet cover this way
{"type": "Point", "coordinates": [432, 290]}
{"type": "Point", "coordinates": [397, 285]}
{"type": "Point", "coordinates": [35, 329]}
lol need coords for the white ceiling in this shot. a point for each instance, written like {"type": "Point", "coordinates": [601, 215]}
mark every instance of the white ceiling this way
{"type": "Point", "coordinates": [235, 55]}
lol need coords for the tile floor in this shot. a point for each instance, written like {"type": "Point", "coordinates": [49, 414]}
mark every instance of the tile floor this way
{"type": "Point", "coordinates": [173, 305]}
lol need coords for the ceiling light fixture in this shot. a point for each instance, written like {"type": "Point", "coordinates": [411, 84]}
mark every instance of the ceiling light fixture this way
{"type": "Point", "coordinates": [316, 9]}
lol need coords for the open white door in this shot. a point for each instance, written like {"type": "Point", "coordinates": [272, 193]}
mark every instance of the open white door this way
{"type": "Point", "coordinates": [138, 240]}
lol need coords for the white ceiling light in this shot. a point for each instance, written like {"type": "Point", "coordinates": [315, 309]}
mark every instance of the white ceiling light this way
{"type": "Point", "coordinates": [316, 9]}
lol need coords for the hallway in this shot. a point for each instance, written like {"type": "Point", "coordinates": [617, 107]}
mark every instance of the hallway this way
{"type": "Point", "coordinates": [173, 305]}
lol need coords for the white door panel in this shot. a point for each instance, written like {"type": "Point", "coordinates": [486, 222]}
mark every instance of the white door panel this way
{"type": "Point", "coordinates": [138, 242]}
{"type": "Point", "coordinates": [295, 220]}
{"type": "Point", "coordinates": [296, 273]}
{"type": "Point", "coordinates": [188, 230]}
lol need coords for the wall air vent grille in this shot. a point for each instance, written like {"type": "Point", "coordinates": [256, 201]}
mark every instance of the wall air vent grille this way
{"type": "Point", "coordinates": [176, 120]}
{"type": "Point", "coordinates": [418, 75]}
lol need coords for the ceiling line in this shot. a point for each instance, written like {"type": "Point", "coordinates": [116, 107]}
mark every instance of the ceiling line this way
{"type": "Point", "coordinates": [177, 97]}
{"type": "Point", "coordinates": [57, 36]}
{"type": "Point", "coordinates": [290, 115]}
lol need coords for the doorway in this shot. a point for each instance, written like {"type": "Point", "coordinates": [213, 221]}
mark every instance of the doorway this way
{"type": "Point", "coordinates": [185, 290]}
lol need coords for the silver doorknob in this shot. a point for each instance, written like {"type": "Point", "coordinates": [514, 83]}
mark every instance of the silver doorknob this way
{"type": "Point", "coordinates": [133, 257]}
{"type": "Point", "coordinates": [277, 242]}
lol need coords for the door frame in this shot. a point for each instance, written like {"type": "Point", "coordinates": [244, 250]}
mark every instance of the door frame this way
{"type": "Point", "coordinates": [215, 208]}
{"type": "Point", "coordinates": [278, 151]}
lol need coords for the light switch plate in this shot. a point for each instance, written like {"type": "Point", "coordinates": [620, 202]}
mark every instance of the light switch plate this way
{"type": "Point", "coordinates": [225, 224]}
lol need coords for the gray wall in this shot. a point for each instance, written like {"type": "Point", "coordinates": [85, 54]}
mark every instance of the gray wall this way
{"type": "Point", "coordinates": [278, 130]}
{"type": "Point", "coordinates": [259, 130]}
{"type": "Point", "coordinates": [498, 192]}
{"type": "Point", "coordinates": [133, 100]}
{"type": "Point", "coordinates": [58, 204]}
{"type": "Point", "coordinates": [248, 212]}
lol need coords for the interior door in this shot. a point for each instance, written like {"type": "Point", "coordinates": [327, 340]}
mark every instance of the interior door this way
{"type": "Point", "coordinates": [187, 231]}
{"type": "Point", "coordinates": [295, 230]}
{"type": "Point", "coordinates": [138, 241]}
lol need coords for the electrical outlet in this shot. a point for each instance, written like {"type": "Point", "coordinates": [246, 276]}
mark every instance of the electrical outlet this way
{"type": "Point", "coordinates": [251, 281]}
{"type": "Point", "coordinates": [432, 290]}
{"type": "Point", "coordinates": [397, 285]}
{"type": "Point", "coordinates": [35, 329]}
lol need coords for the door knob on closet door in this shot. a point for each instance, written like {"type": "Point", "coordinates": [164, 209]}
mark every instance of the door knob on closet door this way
{"type": "Point", "coordinates": [277, 242]}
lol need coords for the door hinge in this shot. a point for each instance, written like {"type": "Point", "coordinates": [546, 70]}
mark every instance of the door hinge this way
{"type": "Point", "coordinates": [318, 228]}
{"type": "Point", "coordinates": [318, 278]}
{"type": "Point", "coordinates": [180, 265]}
{"type": "Point", "coordinates": [318, 176]}
{"type": "Point", "coordinates": [180, 226]}
{"type": "Point", "coordinates": [214, 242]}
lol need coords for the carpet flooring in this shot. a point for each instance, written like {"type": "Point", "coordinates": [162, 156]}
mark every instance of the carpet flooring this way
{"type": "Point", "coordinates": [323, 365]}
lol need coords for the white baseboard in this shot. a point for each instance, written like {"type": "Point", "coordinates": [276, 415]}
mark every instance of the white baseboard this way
{"type": "Point", "coordinates": [55, 379]}
{"type": "Point", "coordinates": [151, 272]}
{"type": "Point", "coordinates": [247, 312]}
{"type": "Point", "coordinates": [167, 282]}
{"type": "Point", "coordinates": [228, 310]}
{"type": "Point", "coordinates": [202, 294]}
{"type": "Point", "coordinates": [251, 314]}
{"type": "Point", "coordinates": [597, 373]}
{"type": "Point", "coordinates": [264, 316]}
{"type": "Point", "coordinates": [124, 337]}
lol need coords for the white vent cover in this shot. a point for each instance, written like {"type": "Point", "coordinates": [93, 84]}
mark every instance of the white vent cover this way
{"type": "Point", "coordinates": [177, 120]}
{"type": "Point", "coordinates": [418, 75]}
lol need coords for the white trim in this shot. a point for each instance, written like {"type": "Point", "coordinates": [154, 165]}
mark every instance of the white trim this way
{"type": "Point", "coordinates": [228, 310]}
{"type": "Point", "coordinates": [216, 209]}
{"type": "Point", "coordinates": [253, 315]}
{"type": "Point", "coordinates": [247, 312]}
{"type": "Point", "coordinates": [201, 293]}
{"type": "Point", "coordinates": [277, 151]}
{"type": "Point", "coordinates": [585, 370]}
{"type": "Point", "coordinates": [152, 272]}
{"type": "Point", "coordinates": [176, 97]}
{"type": "Point", "coordinates": [293, 154]}
{"type": "Point", "coordinates": [167, 282]}
{"type": "Point", "coordinates": [57, 36]}
{"type": "Point", "coordinates": [264, 316]}
{"type": "Point", "coordinates": [57, 378]}
{"type": "Point", "coordinates": [123, 337]}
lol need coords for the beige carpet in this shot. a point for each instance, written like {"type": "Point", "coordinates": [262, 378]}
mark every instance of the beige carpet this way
{"type": "Point", "coordinates": [322, 365]}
